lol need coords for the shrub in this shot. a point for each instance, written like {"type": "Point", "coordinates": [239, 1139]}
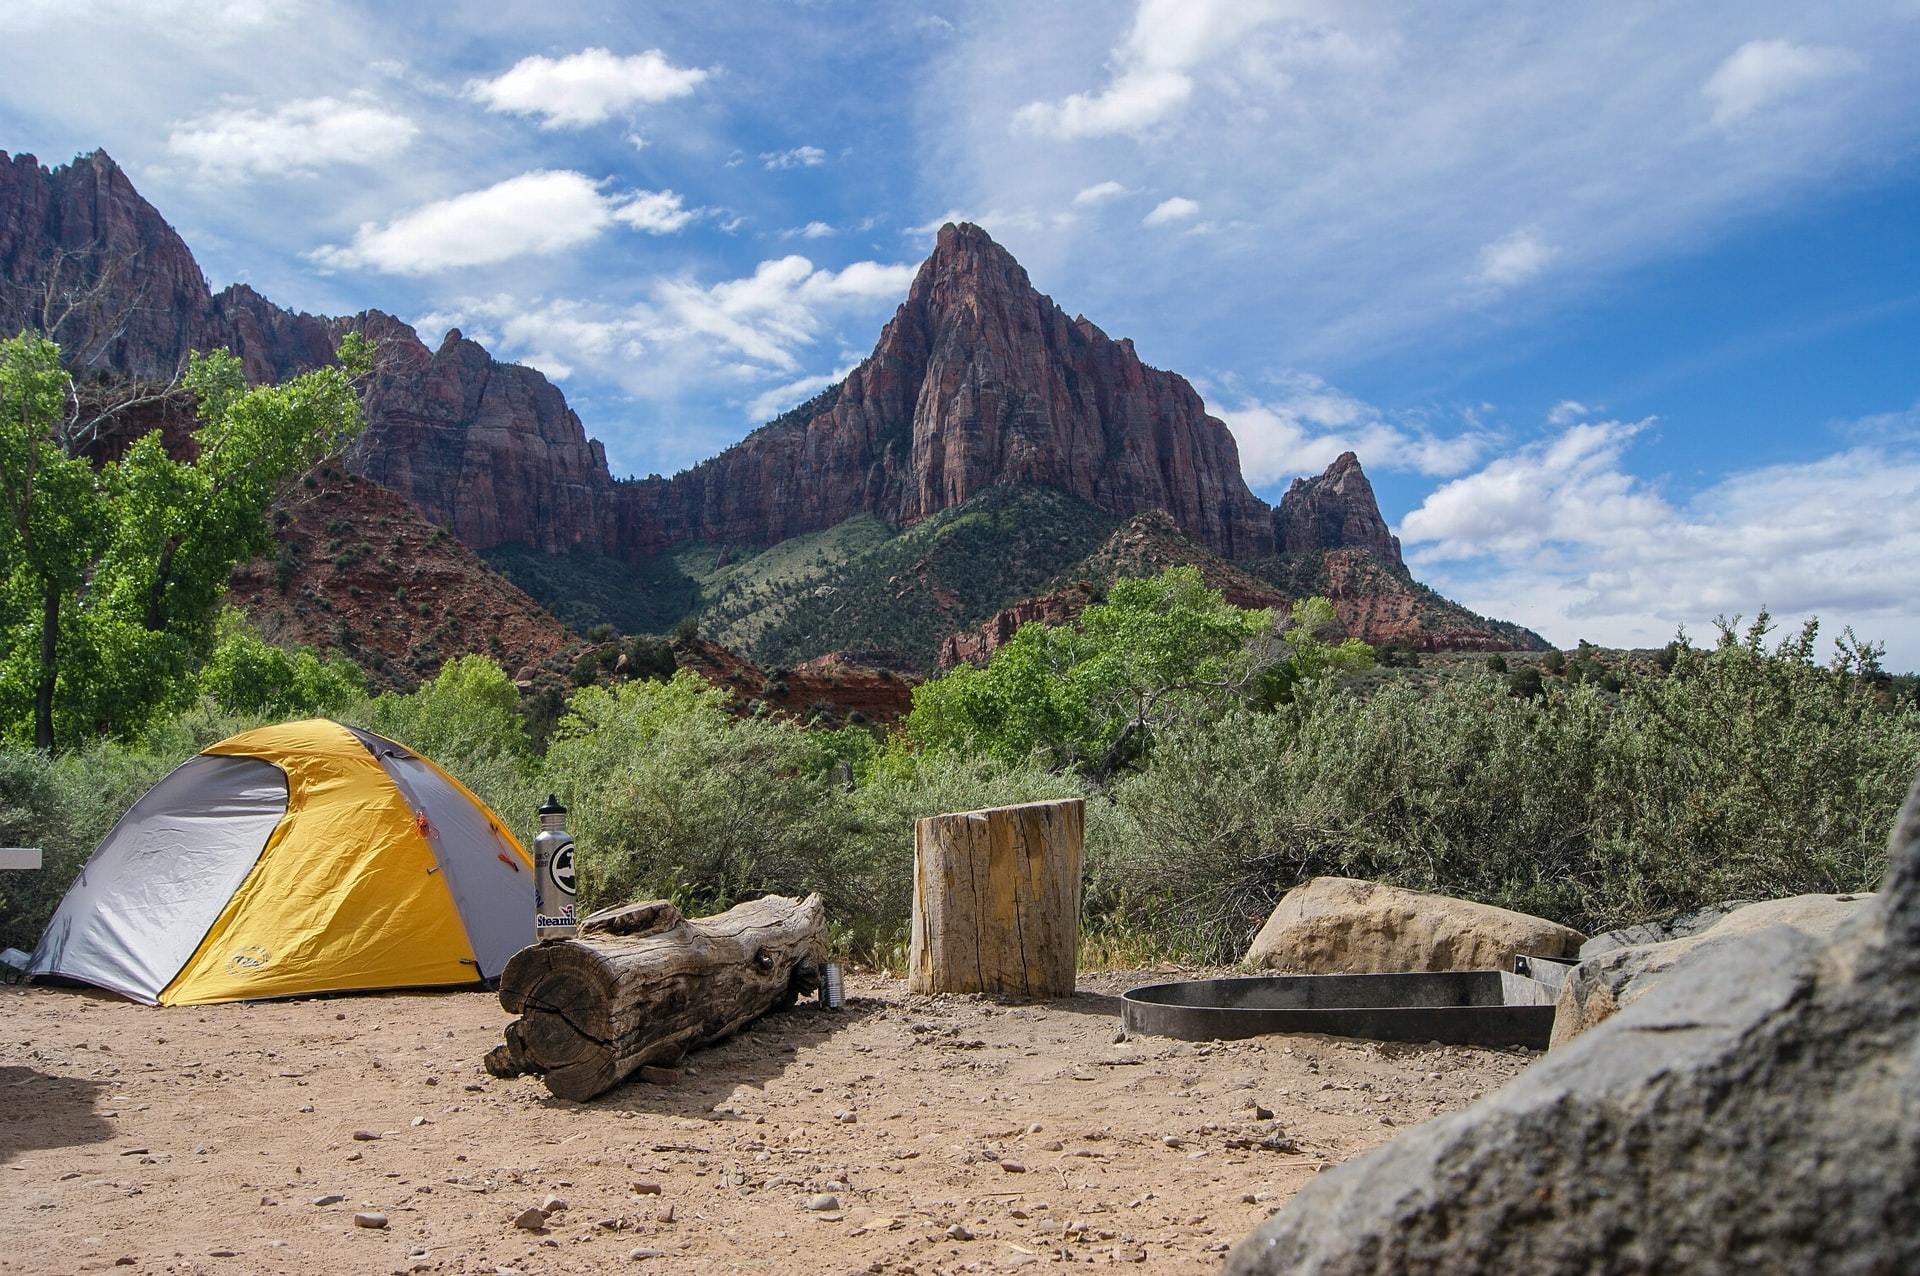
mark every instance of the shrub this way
{"type": "Point", "coordinates": [674, 798]}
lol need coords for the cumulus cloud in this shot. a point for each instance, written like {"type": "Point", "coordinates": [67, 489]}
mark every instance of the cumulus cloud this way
{"type": "Point", "coordinates": [544, 211]}
{"type": "Point", "coordinates": [1098, 193]}
{"type": "Point", "coordinates": [1169, 211]}
{"type": "Point", "coordinates": [586, 87]}
{"type": "Point", "coordinates": [1305, 423]}
{"type": "Point", "coordinates": [772, 402]}
{"type": "Point", "coordinates": [687, 336]}
{"type": "Point", "coordinates": [1559, 535]}
{"type": "Point", "coordinates": [656, 212]}
{"type": "Point", "coordinates": [1762, 72]}
{"type": "Point", "coordinates": [797, 157]}
{"type": "Point", "coordinates": [1153, 68]}
{"type": "Point", "coordinates": [1514, 259]}
{"type": "Point", "coordinates": [294, 138]}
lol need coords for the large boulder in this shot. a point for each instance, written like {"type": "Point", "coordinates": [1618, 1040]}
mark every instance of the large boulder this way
{"type": "Point", "coordinates": [1678, 926]}
{"type": "Point", "coordinates": [1761, 1115]}
{"type": "Point", "coordinates": [1616, 978]}
{"type": "Point", "coordinates": [1340, 925]}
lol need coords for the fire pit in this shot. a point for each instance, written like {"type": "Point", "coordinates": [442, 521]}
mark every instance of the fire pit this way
{"type": "Point", "coordinates": [1456, 1007]}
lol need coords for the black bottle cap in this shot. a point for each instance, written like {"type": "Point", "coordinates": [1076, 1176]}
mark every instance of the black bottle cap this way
{"type": "Point", "coordinates": [552, 806]}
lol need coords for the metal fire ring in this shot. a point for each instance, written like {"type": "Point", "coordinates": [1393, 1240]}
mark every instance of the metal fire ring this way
{"type": "Point", "coordinates": [1454, 1007]}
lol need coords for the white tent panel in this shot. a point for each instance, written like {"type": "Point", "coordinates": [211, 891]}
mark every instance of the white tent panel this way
{"type": "Point", "coordinates": [156, 885]}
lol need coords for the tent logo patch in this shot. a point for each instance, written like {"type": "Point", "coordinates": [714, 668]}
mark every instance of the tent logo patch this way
{"type": "Point", "coordinates": [248, 959]}
{"type": "Point", "coordinates": [560, 868]}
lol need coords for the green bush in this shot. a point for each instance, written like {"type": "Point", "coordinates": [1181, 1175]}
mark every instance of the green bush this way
{"type": "Point", "coordinates": [1748, 773]}
{"type": "Point", "coordinates": [674, 798]}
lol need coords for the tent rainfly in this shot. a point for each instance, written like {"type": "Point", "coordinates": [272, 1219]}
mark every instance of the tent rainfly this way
{"type": "Point", "coordinates": [302, 858]}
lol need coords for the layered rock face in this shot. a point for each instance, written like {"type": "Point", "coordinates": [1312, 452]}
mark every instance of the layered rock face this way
{"type": "Point", "coordinates": [1337, 510]}
{"type": "Point", "coordinates": [977, 381]}
{"type": "Point", "coordinates": [489, 450]}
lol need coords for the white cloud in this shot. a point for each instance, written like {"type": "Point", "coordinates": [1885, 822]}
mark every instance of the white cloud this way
{"type": "Point", "coordinates": [1306, 423]}
{"type": "Point", "coordinates": [1560, 536]}
{"type": "Point", "coordinates": [586, 87]}
{"type": "Point", "coordinates": [797, 157]}
{"type": "Point", "coordinates": [1371, 153]}
{"type": "Point", "coordinates": [656, 212]}
{"type": "Point", "coordinates": [772, 402]}
{"type": "Point", "coordinates": [1168, 211]}
{"type": "Point", "coordinates": [812, 230]}
{"type": "Point", "coordinates": [1152, 77]}
{"type": "Point", "coordinates": [1099, 193]}
{"type": "Point", "coordinates": [1567, 411]}
{"type": "Point", "coordinates": [686, 336]}
{"type": "Point", "coordinates": [1514, 259]}
{"type": "Point", "coordinates": [296, 137]}
{"type": "Point", "coordinates": [1762, 72]}
{"type": "Point", "coordinates": [545, 211]}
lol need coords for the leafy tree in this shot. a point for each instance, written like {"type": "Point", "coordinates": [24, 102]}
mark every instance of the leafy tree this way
{"type": "Point", "coordinates": [1303, 653]}
{"type": "Point", "coordinates": [111, 578]}
{"type": "Point", "coordinates": [248, 675]}
{"type": "Point", "coordinates": [1157, 651]}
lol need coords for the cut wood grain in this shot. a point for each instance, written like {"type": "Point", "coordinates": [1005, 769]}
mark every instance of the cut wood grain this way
{"type": "Point", "coordinates": [643, 985]}
{"type": "Point", "coordinates": [996, 900]}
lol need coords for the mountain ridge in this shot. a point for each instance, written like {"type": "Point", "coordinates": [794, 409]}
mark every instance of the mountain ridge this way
{"type": "Point", "coordinates": [977, 382]}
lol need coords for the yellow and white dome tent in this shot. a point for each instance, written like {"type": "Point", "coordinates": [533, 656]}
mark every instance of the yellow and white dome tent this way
{"type": "Point", "coordinates": [302, 858]}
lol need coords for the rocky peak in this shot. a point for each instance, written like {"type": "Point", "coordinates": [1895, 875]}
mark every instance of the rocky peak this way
{"type": "Point", "coordinates": [1333, 511]}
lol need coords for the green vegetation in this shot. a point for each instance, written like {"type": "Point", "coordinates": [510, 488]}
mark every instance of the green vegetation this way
{"type": "Point", "coordinates": [111, 576]}
{"type": "Point", "coordinates": [860, 586]}
{"type": "Point", "coordinates": [1223, 757]}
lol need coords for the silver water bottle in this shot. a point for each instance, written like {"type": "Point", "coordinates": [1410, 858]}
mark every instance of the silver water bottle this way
{"type": "Point", "coordinates": [553, 883]}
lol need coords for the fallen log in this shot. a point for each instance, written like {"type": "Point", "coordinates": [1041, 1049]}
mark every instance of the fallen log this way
{"type": "Point", "coordinates": [643, 985]}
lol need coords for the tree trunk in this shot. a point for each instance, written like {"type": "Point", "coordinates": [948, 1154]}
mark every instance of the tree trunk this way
{"type": "Point", "coordinates": [996, 900]}
{"type": "Point", "coordinates": [643, 985]}
{"type": "Point", "coordinates": [49, 670]}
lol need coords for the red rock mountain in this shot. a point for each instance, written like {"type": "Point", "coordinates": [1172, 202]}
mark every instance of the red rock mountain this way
{"type": "Point", "coordinates": [977, 380]}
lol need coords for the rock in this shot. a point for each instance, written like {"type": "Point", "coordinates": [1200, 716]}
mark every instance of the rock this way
{"type": "Point", "coordinates": [1758, 1115]}
{"type": "Point", "coordinates": [1678, 926]}
{"type": "Point", "coordinates": [646, 1189]}
{"type": "Point", "coordinates": [659, 1076]}
{"type": "Point", "coordinates": [1616, 978]}
{"type": "Point", "coordinates": [1013, 1167]}
{"type": "Point", "coordinates": [643, 1252]}
{"type": "Point", "coordinates": [372, 1219]}
{"type": "Point", "coordinates": [366, 1136]}
{"type": "Point", "coordinates": [553, 1205]}
{"type": "Point", "coordinates": [823, 1203]}
{"type": "Point", "coordinates": [1340, 925]}
{"type": "Point", "coordinates": [1333, 511]}
{"type": "Point", "coordinates": [330, 1198]}
{"type": "Point", "coordinates": [531, 1219]}
{"type": "Point", "coordinates": [959, 1232]}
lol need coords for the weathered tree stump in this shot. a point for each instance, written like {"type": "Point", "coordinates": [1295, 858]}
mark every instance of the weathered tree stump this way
{"type": "Point", "coordinates": [996, 900]}
{"type": "Point", "coordinates": [642, 985]}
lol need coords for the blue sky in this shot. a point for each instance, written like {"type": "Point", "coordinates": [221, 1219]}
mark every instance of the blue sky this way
{"type": "Point", "coordinates": [1619, 304]}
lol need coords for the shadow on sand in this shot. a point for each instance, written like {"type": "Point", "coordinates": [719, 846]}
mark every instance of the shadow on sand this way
{"type": "Point", "coordinates": [758, 1053]}
{"type": "Point", "coordinates": [42, 1110]}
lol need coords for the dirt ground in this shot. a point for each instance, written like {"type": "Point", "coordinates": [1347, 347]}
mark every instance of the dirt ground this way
{"type": "Point", "coordinates": [951, 1134]}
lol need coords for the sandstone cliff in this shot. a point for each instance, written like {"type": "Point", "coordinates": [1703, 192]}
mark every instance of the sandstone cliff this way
{"type": "Point", "coordinates": [978, 381]}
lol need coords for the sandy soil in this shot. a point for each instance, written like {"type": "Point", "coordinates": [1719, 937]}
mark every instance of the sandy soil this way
{"type": "Point", "coordinates": [955, 1134]}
